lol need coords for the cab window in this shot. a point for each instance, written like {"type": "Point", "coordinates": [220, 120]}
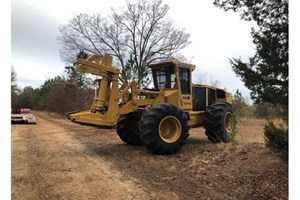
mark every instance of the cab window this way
{"type": "Point", "coordinates": [165, 77]}
{"type": "Point", "coordinates": [184, 77]}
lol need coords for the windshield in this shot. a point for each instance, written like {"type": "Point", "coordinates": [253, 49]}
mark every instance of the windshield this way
{"type": "Point", "coordinates": [165, 77]}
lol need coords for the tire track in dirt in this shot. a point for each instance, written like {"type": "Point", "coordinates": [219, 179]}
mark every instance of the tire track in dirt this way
{"type": "Point", "coordinates": [135, 161]}
{"type": "Point", "coordinates": [49, 164]}
{"type": "Point", "coordinates": [93, 138]}
{"type": "Point", "coordinates": [201, 170]}
{"type": "Point", "coordinates": [25, 173]}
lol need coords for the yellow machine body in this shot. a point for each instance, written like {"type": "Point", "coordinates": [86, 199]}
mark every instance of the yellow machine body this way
{"type": "Point", "coordinates": [172, 84]}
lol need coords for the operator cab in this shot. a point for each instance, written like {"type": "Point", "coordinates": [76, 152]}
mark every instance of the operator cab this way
{"type": "Point", "coordinates": [175, 79]}
{"type": "Point", "coordinates": [165, 75]}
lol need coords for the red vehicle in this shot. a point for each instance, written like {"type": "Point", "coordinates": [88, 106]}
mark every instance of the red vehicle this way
{"type": "Point", "coordinates": [22, 116]}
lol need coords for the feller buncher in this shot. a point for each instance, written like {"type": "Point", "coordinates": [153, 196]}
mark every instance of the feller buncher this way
{"type": "Point", "coordinates": [158, 118]}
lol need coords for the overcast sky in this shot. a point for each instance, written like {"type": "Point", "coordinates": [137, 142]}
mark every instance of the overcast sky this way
{"type": "Point", "coordinates": [216, 36]}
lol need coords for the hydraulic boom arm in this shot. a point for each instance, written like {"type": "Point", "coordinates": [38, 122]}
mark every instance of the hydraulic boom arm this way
{"type": "Point", "coordinates": [96, 65]}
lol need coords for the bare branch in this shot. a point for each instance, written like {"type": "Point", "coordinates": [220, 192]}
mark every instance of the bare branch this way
{"type": "Point", "coordinates": [140, 29]}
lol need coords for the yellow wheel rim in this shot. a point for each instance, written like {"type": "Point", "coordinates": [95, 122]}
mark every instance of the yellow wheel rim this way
{"type": "Point", "coordinates": [228, 122]}
{"type": "Point", "coordinates": [169, 129]}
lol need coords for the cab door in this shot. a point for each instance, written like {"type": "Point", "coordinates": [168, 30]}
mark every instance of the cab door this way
{"type": "Point", "coordinates": [185, 87]}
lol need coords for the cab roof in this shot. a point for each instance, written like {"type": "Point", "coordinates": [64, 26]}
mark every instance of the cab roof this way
{"type": "Point", "coordinates": [171, 61]}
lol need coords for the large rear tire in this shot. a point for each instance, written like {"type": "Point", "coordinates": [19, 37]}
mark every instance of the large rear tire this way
{"type": "Point", "coordinates": [218, 122]}
{"type": "Point", "coordinates": [128, 128]}
{"type": "Point", "coordinates": [164, 129]}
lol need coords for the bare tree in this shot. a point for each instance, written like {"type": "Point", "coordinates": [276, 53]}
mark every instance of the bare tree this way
{"type": "Point", "coordinates": [140, 29]}
{"type": "Point", "coordinates": [205, 80]}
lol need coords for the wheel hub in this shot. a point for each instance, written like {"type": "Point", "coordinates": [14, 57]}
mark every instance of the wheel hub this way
{"type": "Point", "coordinates": [169, 129]}
{"type": "Point", "coordinates": [228, 122]}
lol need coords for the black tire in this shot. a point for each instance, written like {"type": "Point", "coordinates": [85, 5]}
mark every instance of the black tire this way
{"type": "Point", "coordinates": [218, 122]}
{"type": "Point", "coordinates": [164, 129]}
{"type": "Point", "coordinates": [128, 128]}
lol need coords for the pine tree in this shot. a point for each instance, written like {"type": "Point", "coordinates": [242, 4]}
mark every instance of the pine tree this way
{"type": "Point", "coordinates": [133, 73]}
{"type": "Point", "coordinates": [266, 73]}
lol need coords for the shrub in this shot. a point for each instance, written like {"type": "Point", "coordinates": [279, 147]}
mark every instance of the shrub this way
{"type": "Point", "coordinates": [276, 137]}
{"type": "Point", "coordinates": [232, 136]}
{"type": "Point", "coordinates": [247, 111]}
{"type": "Point", "coordinates": [267, 111]}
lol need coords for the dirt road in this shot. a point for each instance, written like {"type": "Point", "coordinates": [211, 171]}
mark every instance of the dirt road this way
{"type": "Point", "coordinates": [57, 159]}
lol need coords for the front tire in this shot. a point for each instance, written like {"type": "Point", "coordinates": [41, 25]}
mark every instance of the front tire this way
{"type": "Point", "coordinates": [128, 128]}
{"type": "Point", "coordinates": [218, 122]}
{"type": "Point", "coordinates": [164, 129]}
